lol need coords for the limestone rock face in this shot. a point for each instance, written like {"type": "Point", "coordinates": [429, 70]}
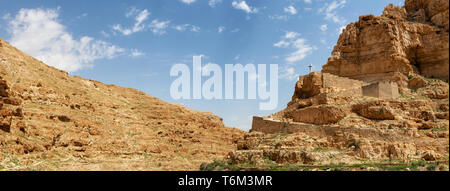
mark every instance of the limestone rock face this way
{"type": "Point", "coordinates": [308, 86]}
{"type": "Point", "coordinates": [402, 41]}
{"type": "Point", "coordinates": [317, 115]}
{"type": "Point", "coordinates": [374, 111]}
{"type": "Point", "coordinates": [434, 11]}
{"type": "Point", "coordinates": [10, 107]}
{"type": "Point", "coordinates": [383, 94]}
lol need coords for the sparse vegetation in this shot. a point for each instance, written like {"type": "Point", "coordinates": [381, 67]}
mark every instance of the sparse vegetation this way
{"type": "Point", "coordinates": [393, 165]}
{"type": "Point", "coordinates": [438, 129]}
{"type": "Point", "coordinates": [216, 165]}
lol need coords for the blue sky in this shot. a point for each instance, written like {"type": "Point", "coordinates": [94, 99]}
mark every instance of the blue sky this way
{"type": "Point", "coordinates": [135, 43]}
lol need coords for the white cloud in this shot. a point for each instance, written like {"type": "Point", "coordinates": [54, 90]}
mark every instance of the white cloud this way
{"type": "Point", "coordinates": [140, 17]}
{"type": "Point", "coordinates": [136, 53]}
{"type": "Point", "coordinates": [323, 27]}
{"type": "Point", "coordinates": [188, 1]}
{"type": "Point", "coordinates": [288, 39]}
{"type": "Point", "coordinates": [213, 3]}
{"type": "Point", "coordinates": [132, 11]}
{"type": "Point", "coordinates": [302, 48]}
{"type": "Point", "coordinates": [282, 44]}
{"type": "Point", "coordinates": [290, 35]}
{"type": "Point", "coordinates": [158, 27]}
{"type": "Point", "coordinates": [288, 73]}
{"type": "Point", "coordinates": [105, 34]}
{"type": "Point", "coordinates": [195, 28]}
{"type": "Point", "coordinates": [38, 33]}
{"type": "Point", "coordinates": [180, 27]}
{"type": "Point", "coordinates": [189, 27]}
{"type": "Point", "coordinates": [308, 1]}
{"type": "Point", "coordinates": [334, 5]}
{"type": "Point", "coordinates": [291, 10]}
{"type": "Point", "coordinates": [329, 10]}
{"type": "Point", "coordinates": [242, 5]}
{"type": "Point", "coordinates": [220, 29]}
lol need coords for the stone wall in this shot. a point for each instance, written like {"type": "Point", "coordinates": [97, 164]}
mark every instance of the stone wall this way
{"type": "Point", "coordinates": [317, 83]}
{"type": "Point", "coordinates": [382, 90]}
{"type": "Point", "coordinates": [267, 125]}
{"type": "Point", "coordinates": [270, 126]}
{"type": "Point", "coordinates": [333, 81]}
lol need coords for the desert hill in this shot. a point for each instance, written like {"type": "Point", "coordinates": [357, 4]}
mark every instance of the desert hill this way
{"type": "Point", "coordinates": [52, 121]}
{"type": "Point", "coordinates": [381, 102]}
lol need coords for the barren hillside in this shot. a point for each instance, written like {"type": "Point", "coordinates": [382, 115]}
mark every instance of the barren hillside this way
{"type": "Point", "coordinates": [52, 121]}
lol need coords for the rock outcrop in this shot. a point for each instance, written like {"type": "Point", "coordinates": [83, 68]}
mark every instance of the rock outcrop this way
{"type": "Point", "coordinates": [52, 121]}
{"type": "Point", "coordinates": [10, 107]}
{"type": "Point", "coordinates": [403, 41]}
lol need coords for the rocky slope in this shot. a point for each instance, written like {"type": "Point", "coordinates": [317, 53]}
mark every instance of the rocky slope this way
{"type": "Point", "coordinates": [382, 100]}
{"type": "Point", "coordinates": [52, 121]}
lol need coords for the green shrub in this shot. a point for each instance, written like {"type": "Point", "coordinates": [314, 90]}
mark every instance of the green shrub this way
{"type": "Point", "coordinates": [214, 166]}
{"type": "Point", "coordinates": [431, 167]}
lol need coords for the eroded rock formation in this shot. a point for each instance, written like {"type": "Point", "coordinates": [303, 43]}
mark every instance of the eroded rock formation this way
{"type": "Point", "coordinates": [383, 94]}
{"type": "Point", "coordinates": [403, 41]}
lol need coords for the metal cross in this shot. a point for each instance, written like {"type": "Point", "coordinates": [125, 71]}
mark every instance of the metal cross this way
{"type": "Point", "coordinates": [310, 67]}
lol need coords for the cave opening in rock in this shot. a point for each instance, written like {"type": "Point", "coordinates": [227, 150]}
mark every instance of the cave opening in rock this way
{"type": "Point", "coordinates": [413, 59]}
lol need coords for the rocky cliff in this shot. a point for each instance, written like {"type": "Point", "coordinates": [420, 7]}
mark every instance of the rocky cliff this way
{"type": "Point", "coordinates": [52, 121]}
{"type": "Point", "coordinates": [403, 41]}
{"type": "Point", "coordinates": [380, 103]}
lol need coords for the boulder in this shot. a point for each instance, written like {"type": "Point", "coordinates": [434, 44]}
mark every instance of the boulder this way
{"type": "Point", "coordinates": [428, 125]}
{"type": "Point", "coordinates": [375, 112]}
{"type": "Point", "coordinates": [5, 124]}
{"type": "Point", "coordinates": [417, 82]}
{"type": "Point", "coordinates": [3, 88]}
{"type": "Point", "coordinates": [308, 86]}
{"type": "Point", "coordinates": [430, 156]}
{"type": "Point", "coordinates": [319, 115]}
